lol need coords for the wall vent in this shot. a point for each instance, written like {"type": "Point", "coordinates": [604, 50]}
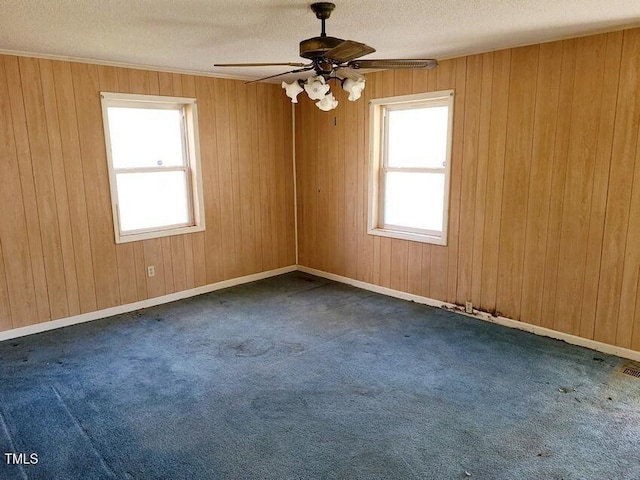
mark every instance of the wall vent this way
{"type": "Point", "coordinates": [633, 371]}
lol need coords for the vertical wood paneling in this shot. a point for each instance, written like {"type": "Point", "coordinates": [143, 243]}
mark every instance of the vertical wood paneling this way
{"type": "Point", "coordinates": [206, 121]}
{"type": "Point", "coordinates": [245, 188]}
{"type": "Point", "coordinates": [481, 178]}
{"type": "Point", "coordinates": [286, 161]}
{"type": "Point", "coordinates": [351, 188]}
{"type": "Point", "coordinates": [60, 186]}
{"type": "Point", "coordinates": [495, 180]}
{"type": "Point", "coordinates": [583, 136]}
{"type": "Point", "coordinates": [235, 180]}
{"type": "Point", "coordinates": [563, 125]}
{"type": "Point", "coordinates": [623, 157]}
{"type": "Point", "coordinates": [469, 180]}
{"type": "Point", "coordinates": [265, 142]}
{"type": "Point", "coordinates": [58, 255]}
{"type": "Point", "coordinates": [545, 188]}
{"type": "Point", "coordinates": [76, 192]}
{"type": "Point", "coordinates": [223, 146]}
{"type": "Point", "coordinates": [29, 198]}
{"type": "Point", "coordinates": [19, 278]}
{"type": "Point", "coordinates": [544, 129]}
{"type": "Point", "coordinates": [44, 187]}
{"type": "Point", "coordinates": [5, 309]}
{"type": "Point", "coordinates": [167, 265]}
{"type": "Point", "coordinates": [337, 188]}
{"type": "Point", "coordinates": [520, 114]}
{"type": "Point", "coordinates": [455, 189]}
{"type": "Point", "coordinates": [631, 261]}
{"type": "Point", "coordinates": [601, 184]}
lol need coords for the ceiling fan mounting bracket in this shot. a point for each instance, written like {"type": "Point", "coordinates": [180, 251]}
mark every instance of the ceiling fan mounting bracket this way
{"type": "Point", "coordinates": [323, 9]}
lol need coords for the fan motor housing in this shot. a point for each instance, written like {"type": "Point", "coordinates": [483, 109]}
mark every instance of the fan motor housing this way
{"type": "Point", "coordinates": [317, 46]}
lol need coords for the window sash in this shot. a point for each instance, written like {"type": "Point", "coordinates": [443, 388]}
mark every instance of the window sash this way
{"type": "Point", "coordinates": [190, 167]}
{"type": "Point", "coordinates": [189, 192]}
{"type": "Point", "coordinates": [379, 166]}
{"type": "Point", "coordinates": [385, 168]}
{"type": "Point", "coordinates": [160, 106]}
{"type": "Point", "coordinates": [382, 197]}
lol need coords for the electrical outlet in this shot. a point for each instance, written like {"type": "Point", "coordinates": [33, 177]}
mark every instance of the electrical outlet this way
{"type": "Point", "coordinates": [468, 307]}
{"type": "Point", "coordinates": [151, 271]}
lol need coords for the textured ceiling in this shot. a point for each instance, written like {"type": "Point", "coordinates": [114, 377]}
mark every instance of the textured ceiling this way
{"type": "Point", "coordinates": [192, 35]}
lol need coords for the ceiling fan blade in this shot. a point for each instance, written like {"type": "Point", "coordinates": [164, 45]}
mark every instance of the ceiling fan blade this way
{"type": "Point", "coordinates": [298, 70]}
{"type": "Point", "coordinates": [290, 64]}
{"type": "Point", "coordinates": [424, 64]}
{"type": "Point", "coordinates": [348, 50]}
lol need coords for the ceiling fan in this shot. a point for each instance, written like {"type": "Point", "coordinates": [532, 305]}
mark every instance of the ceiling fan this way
{"type": "Point", "coordinates": [333, 58]}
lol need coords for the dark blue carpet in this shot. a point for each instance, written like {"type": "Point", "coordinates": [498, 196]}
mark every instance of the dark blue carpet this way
{"type": "Point", "coordinates": [298, 377]}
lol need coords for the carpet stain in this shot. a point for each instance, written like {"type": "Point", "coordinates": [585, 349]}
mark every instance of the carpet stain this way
{"type": "Point", "coordinates": [257, 347]}
{"type": "Point", "coordinates": [248, 347]}
{"type": "Point", "coordinates": [290, 348]}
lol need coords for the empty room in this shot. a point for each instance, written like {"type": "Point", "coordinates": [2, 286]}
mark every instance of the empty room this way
{"type": "Point", "coordinates": [293, 240]}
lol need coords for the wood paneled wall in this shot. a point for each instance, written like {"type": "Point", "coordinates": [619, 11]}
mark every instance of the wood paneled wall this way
{"type": "Point", "coordinates": [544, 219]}
{"type": "Point", "coordinates": [57, 252]}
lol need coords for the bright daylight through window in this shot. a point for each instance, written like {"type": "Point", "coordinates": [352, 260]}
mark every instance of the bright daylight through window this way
{"type": "Point", "coordinates": [154, 171]}
{"type": "Point", "coordinates": [411, 150]}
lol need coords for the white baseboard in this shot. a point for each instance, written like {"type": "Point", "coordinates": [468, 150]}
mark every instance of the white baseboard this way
{"type": "Point", "coordinates": [130, 307]}
{"type": "Point", "coordinates": [507, 322]}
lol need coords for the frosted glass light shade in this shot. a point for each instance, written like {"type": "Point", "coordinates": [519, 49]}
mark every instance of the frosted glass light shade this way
{"type": "Point", "coordinates": [354, 87]}
{"type": "Point", "coordinates": [327, 103]}
{"type": "Point", "coordinates": [316, 87]}
{"type": "Point", "coordinates": [292, 90]}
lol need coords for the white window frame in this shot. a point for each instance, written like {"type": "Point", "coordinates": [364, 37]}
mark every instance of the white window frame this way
{"type": "Point", "coordinates": [378, 165]}
{"type": "Point", "coordinates": [189, 109]}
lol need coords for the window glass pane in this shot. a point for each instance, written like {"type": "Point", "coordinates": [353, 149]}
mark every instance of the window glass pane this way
{"type": "Point", "coordinates": [145, 137]}
{"type": "Point", "coordinates": [148, 200]}
{"type": "Point", "coordinates": [418, 137]}
{"type": "Point", "coordinates": [414, 200]}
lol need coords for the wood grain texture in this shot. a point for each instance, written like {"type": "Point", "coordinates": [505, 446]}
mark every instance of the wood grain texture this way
{"type": "Point", "coordinates": [601, 188]}
{"type": "Point", "coordinates": [5, 308]}
{"type": "Point", "coordinates": [545, 188]}
{"type": "Point", "coordinates": [19, 278]}
{"type": "Point", "coordinates": [520, 114]}
{"type": "Point", "coordinates": [544, 130]}
{"type": "Point", "coordinates": [18, 125]}
{"type": "Point", "coordinates": [623, 156]}
{"type": "Point", "coordinates": [58, 255]}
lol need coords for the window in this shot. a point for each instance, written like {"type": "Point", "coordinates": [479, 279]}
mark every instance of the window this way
{"type": "Point", "coordinates": [154, 168]}
{"type": "Point", "coordinates": [410, 165]}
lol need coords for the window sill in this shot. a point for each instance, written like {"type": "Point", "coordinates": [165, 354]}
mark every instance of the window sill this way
{"type": "Point", "coordinates": [413, 237]}
{"type": "Point", "coordinates": [134, 237]}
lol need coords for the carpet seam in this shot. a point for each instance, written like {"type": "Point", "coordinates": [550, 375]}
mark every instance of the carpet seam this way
{"type": "Point", "coordinates": [84, 433]}
{"type": "Point", "coordinates": [11, 442]}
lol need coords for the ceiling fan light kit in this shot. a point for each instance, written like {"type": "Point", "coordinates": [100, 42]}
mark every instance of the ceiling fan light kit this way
{"type": "Point", "coordinates": [333, 58]}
